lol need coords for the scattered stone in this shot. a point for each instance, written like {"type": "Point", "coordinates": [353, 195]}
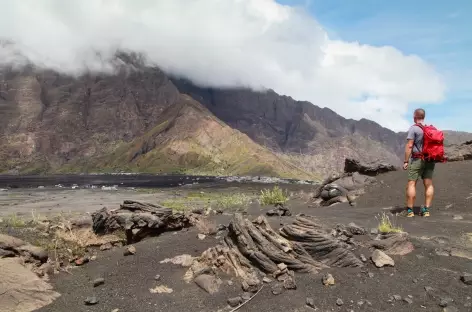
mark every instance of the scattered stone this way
{"type": "Point", "coordinates": [282, 266]}
{"type": "Point", "coordinates": [442, 252]}
{"type": "Point", "coordinates": [81, 261]}
{"type": "Point", "coordinates": [448, 206]}
{"type": "Point", "coordinates": [415, 280]}
{"type": "Point", "coordinates": [201, 236]}
{"type": "Point", "coordinates": [93, 258]}
{"type": "Point", "coordinates": [468, 305]}
{"type": "Point", "coordinates": [428, 289]}
{"type": "Point", "coordinates": [289, 283]}
{"type": "Point", "coordinates": [397, 297]}
{"type": "Point", "coordinates": [98, 281]}
{"type": "Point", "coordinates": [161, 289]}
{"type": "Point", "coordinates": [267, 280]}
{"type": "Point", "coordinates": [234, 302]}
{"type": "Point", "coordinates": [368, 303]}
{"type": "Point", "coordinates": [360, 303]}
{"type": "Point", "coordinates": [310, 302]}
{"type": "Point", "coordinates": [363, 258]}
{"type": "Point", "coordinates": [251, 285]}
{"type": "Point", "coordinates": [339, 302]}
{"type": "Point", "coordinates": [279, 210]}
{"type": "Point", "coordinates": [374, 231]}
{"type": "Point", "coordinates": [371, 275]}
{"type": "Point", "coordinates": [466, 278]}
{"type": "Point", "coordinates": [198, 210]}
{"type": "Point", "coordinates": [444, 302]}
{"type": "Point", "coordinates": [381, 259]}
{"type": "Point", "coordinates": [458, 217]}
{"type": "Point", "coordinates": [246, 296]}
{"type": "Point", "coordinates": [277, 289]}
{"type": "Point", "coordinates": [230, 282]}
{"type": "Point", "coordinates": [408, 300]}
{"type": "Point", "coordinates": [157, 277]}
{"type": "Point", "coordinates": [209, 283]}
{"type": "Point", "coordinates": [106, 246]}
{"type": "Point", "coordinates": [91, 300]}
{"type": "Point", "coordinates": [450, 309]}
{"type": "Point", "coordinates": [420, 257]}
{"type": "Point", "coordinates": [328, 279]}
{"type": "Point", "coordinates": [129, 250]}
{"type": "Point", "coordinates": [184, 260]}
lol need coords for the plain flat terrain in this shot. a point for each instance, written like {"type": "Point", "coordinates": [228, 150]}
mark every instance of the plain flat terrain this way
{"type": "Point", "coordinates": [128, 279]}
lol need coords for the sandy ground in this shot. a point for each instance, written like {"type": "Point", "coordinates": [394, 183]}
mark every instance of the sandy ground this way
{"type": "Point", "coordinates": [53, 201]}
{"type": "Point", "coordinates": [128, 279]}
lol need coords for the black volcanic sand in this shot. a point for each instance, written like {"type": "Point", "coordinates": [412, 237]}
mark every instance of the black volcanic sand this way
{"type": "Point", "coordinates": [128, 279]}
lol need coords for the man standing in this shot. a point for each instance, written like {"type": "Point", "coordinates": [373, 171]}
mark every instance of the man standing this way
{"type": "Point", "coordinates": [418, 167]}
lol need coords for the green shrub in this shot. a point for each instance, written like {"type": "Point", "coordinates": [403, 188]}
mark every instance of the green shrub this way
{"type": "Point", "coordinates": [274, 196]}
{"type": "Point", "coordinates": [386, 225]}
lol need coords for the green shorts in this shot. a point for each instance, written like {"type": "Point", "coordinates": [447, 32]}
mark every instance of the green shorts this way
{"type": "Point", "coordinates": [420, 168]}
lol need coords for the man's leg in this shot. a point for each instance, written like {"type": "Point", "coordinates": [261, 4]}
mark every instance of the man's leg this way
{"type": "Point", "coordinates": [414, 172]}
{"type": "Point", "coordinates": [428, 188]}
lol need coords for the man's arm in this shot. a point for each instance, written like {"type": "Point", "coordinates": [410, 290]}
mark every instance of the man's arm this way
{"type": "Point", "coordinates": [410, 140]}
{"type": "Point", "coordinates": [408, 149]}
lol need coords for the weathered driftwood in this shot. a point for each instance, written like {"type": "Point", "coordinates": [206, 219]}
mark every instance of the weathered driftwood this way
{"type": "Point", "coordinates": [319, 244]}
{"type": "Point", "coordinates": [138, 220]}
{"type": "Point", "coordinates": [250, 248]}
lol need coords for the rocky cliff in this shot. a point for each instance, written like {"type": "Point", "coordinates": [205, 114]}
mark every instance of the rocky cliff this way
{"type": "Point", "coordinates": [139, 119]}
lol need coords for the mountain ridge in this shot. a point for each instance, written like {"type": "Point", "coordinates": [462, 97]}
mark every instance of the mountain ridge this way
{"type": "Point", "coordinates": [51, 122]}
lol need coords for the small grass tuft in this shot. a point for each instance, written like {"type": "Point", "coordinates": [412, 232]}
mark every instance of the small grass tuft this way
{"type": "Point", "coordinates": [274, 196]}
{"type": "Point", "coordinates": [387, 226]}
{"type": "Point", "coordinates": [233, 201]}
{"type": "Point", "coordinates": [13, 221]}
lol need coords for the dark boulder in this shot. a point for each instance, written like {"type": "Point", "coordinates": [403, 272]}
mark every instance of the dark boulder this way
{"type": "Point", "coordinates": [138, 220]}
{"type": "Point", "coordinates": [459, 152]}
{"type": "Point", "coordinates": [370, 169]}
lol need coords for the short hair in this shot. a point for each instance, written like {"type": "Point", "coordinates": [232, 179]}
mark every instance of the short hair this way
{"type": "Point", "coordinates": [420, 113]}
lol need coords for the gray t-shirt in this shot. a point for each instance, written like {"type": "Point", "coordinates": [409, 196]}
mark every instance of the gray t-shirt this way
{"type": "Point", "coordinates": [415, 133]}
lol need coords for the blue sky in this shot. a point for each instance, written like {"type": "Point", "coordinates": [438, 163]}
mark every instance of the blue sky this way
{"type": "Point", "coordinates": [438, 31]}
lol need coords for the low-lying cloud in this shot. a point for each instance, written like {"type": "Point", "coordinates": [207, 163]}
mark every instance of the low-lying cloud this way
{"type": "Point", "coordinates": [224, 43]}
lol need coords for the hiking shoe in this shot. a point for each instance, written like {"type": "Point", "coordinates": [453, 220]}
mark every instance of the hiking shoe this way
{"type": "Point", "coordinates": [424, 212]}
{"type": "Point", "coordinates": [410, 213]}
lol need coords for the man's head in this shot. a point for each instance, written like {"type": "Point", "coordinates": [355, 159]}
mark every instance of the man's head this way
{"type": "Point", "coordinates": [418, 115]}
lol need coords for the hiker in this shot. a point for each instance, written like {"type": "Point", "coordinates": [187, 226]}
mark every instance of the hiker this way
{"type": "Point", "coordinates": [424, 148]}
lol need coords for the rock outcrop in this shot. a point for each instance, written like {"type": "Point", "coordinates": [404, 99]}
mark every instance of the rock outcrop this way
{"type": "Point", "coordinates": [21, 290]}
{"type": "Point", "coordinates": [346, 187]}
{"type": "Point", "coordinates": [138, 220]}
{"type": "Point", "coordinates": [459, 152]}
{"type": "Point", "coordinates": [14, 247]}
{"type": "Point", "coordinates": [370, 169]}
{"type": "Point", "coordinates": [254, 252]}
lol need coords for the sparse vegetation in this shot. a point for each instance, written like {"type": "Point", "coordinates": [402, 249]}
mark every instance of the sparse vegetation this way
{"type": "Point", "coordinates": [233, 201]}
{"type": "Point", "coordinates": [237, 200]}
{"type": "Point", "coordinates": [13, 221]}
{"type": "Point", "coordinates": [273, 196]}
{"type": "Point", "coordinates": [387, 226]}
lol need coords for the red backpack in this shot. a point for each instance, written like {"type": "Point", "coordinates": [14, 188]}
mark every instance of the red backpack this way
{"type": "Point", "coordinates": [433, 144]}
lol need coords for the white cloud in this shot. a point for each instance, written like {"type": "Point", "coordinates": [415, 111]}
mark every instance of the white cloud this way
{"type": "Point", "coordinates": [256, 43]}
